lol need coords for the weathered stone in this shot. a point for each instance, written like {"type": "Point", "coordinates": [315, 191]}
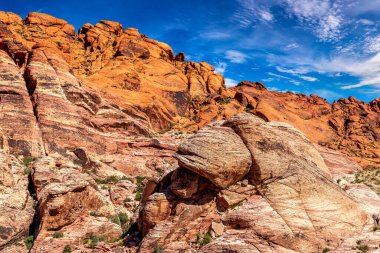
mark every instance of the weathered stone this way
{"type": "Point", "coordinates": [216, 153]}
{"type": "Point", "coordinates": [184, 183]}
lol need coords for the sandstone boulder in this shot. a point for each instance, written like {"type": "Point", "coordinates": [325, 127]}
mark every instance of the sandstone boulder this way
{"type": "Point", "coordinates": [216, 153]}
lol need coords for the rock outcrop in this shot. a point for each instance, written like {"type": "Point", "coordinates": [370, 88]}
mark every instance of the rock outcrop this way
{"type": "Point", "coordinates": [286, 201]}
{"type": "Point", "coordinates": [347, 125]}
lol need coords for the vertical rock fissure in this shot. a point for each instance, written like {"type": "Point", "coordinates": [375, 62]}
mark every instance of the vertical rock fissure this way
{"type": "Point", "coordinates": [33, 227]}
{"type": "Point", "coordinates": [31, 86]}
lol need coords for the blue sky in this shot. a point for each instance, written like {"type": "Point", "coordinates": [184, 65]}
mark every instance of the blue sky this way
{"type": "Point", "coordinates": [326, 47]}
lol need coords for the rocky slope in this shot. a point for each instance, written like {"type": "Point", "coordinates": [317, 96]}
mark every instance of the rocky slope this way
{"type": "Point", "coordinates": [88, 117]}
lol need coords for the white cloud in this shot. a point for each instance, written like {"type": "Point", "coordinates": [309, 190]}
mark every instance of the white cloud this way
{"type": "Point", "coordinates": [322, 16]}
{"type": "Point", "coordinates": [292, 46]}
{"type": "Point", "coordinates": [236, 56]}
{"type": "Point", "coordinates": [221, 67]}
{"type": "Point", "coordinates": [230, 82]}
{"type": "Point", "coordinates": [372, 44]}
{"type": "Point", "coordinates": [279, 76]}
{"type": "Point", "coordinates": [364, 21]}
{"type": "Point", "coordinates": [265, 15]}
{"type": "Point", "coordinates": [216, 35]}
{"type": "Point", "coordinates": [268, 80]}
{"type": "Point", "coordinates": [309, 78]}
{"type": "Point", "coordinates": [298, 72]}
{"type": "Point", "coordinates": [295, 71]}
{"type": "Point", "coordinates": [365, 69]}
{"type": "Point", "coordinates": [253, 11]}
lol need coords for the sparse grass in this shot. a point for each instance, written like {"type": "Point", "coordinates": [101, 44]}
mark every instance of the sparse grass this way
{"type": "Point", "coordinates": [325, 250]}
{"type": "Point", "coordinates": [362, 247]}
{"type": "Point", "coordinates": [127, 178]}
{"type": "Point", "coordinates": [158, 249]}
{"type": "Point", "coordinates": [110, 179]}
{"type": "Point", "coordinates": [226, 100]}
{"type": "Point", "coordinates": [58, 234]}
{"type": "Point", "coordinates": [29, 242]}
{"type": "Point", "coordinates": [27, 161]}
{"type": "Point", "coordinates": [204, 239]}
{"type": "Point", "coordinates": [67, 249]}
{"type": "Point", "coordinates": [140, 188]}
{"type": "Point", "coordinates": [94, 240]}
{"type": "Point", "coordinates": [138, 192]}
{"type": "Point", "coordinates": [120, 219]}
{"type": "Point", "coordinates": [369, 177]}
{"type": "Point", "coordinates": [128, 199]}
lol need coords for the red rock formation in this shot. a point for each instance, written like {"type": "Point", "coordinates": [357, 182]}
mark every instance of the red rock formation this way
{"type": "Point", "coordinates": [86, 117]}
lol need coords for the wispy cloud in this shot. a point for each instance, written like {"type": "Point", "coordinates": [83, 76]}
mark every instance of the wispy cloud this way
{"type": "Point", "coordinates": [309, 78]}
{"type": "Point", "coordinates": [235, 56]}
{"type": "Point", "coordinates": [292, 46]}
{"type": "Point", "coordinates": [253, 11]}
{"type": "Point", "coordinates": [230, 82]}
{"type": "Point", "coordinates": [221, 67]}
{"type": "Point", "coordinates": [298, 72]}
{"type": "Point", "coordinates": [322, 16]}
{"type": "Point", "coordinates": [216, 35]}
{"type": "Point", "coordinates": [367, 70]}
{"type": "Point", "coordinates": [364, 21]}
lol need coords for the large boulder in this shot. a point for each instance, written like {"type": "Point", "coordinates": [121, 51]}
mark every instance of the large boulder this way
{"type": "Point", "coordinates": [216, 153]}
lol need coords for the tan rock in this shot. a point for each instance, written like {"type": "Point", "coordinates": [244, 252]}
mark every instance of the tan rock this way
{"type": "Point", "coordinates": [16, 204]}
{"type": "Point", "coordinates": [216, 153]}
{"type": "Point", "coordinates": [217, 229]}
{"type": "Point", "coordinates": [228, 199]}
{"type": "Point", "coordinates": [156, 209]}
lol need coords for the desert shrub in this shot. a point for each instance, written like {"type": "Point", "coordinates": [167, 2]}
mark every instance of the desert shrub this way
{"type": "Point", "coordinates": [67, 249]}
{"type": "Point", "coordinates": [204, 239]}
{"type": "Point", "coordinates": [58, 234]}
{"type": "Point", "coordinates": [120, 219]}
{"type": "Point", "coordinates": [158, 249]}
{"type": "Point", "coordinates": [29, 242]}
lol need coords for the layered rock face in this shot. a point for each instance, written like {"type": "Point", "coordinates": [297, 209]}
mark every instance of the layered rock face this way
{"type": "Point", "coordinates": [285, 201]}
{"type": "Point", "coordinates": [95, 121]}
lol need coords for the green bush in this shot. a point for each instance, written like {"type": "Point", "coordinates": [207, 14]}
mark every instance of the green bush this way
{"type": "Point", "coordinates": [110, 179]}
{"type": "Point", "coordinates": [226, 100]}
{"type": "Point", "coordinates": [363, 248]}
{"type": "Point", "coordinates": [140, 179]}
{"type": "Point", "coordinates": [58, 234]}
{"type": "Point", "coordinates": [94, 240]}
{"type": "Point", "coordinates": [127, 199]}
{"type": "Point", "coordinates": [27, 161]}
{"type": "Point", "coordinates": [67, 249]}
{"type": "Point", "coordinates": [204, 239]}
{"type": "Point", "coordinates": [29, 242]}
{"type": "Point", "coordinates": [158, 249]}
{"type": "Point", "coordinates": [120, 219]}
